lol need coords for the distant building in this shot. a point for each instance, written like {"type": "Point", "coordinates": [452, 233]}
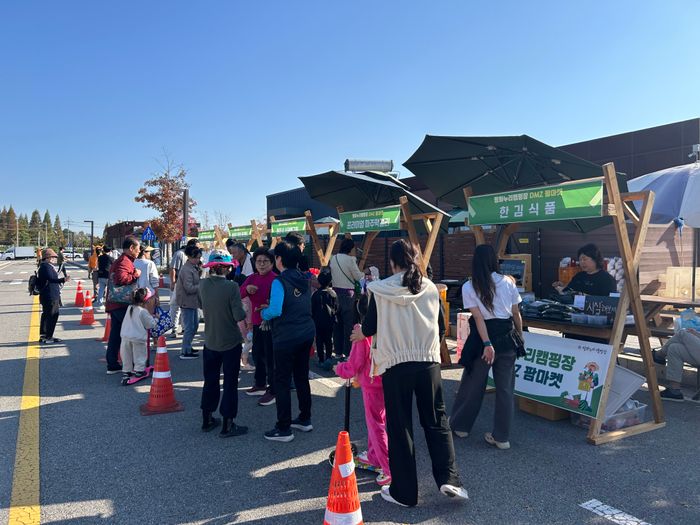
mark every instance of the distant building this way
{"type": "Point", "coordinates": [115, 234]}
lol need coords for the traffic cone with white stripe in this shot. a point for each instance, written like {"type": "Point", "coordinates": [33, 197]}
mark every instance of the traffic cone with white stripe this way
{"type": "Point", "coordinates": [108, 329]}
{"type": "Point", "coordinates": [343, 506]}
{"type": "Point", "coordinates": [161, 398]}
{"type": "Point", "coordinates": [88, 317]}
{"type": "Point", "coordinates": [79, 298]}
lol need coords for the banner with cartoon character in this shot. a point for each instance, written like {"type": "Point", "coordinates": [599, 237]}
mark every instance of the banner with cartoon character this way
{"type": "Point", "coordinates": [565, 373]}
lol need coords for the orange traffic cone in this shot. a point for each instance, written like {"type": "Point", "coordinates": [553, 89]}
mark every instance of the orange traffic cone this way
{"type": "Point", "coordinates": [343, 507]}
{"type": "Point", "coordinates": [88, 313]}
{"type": "Point", "coordinates": [108, 328]}
{"type": "Point", "coordinates": [79, 298]}
{"type": "Point", "coordinates": [161, 399]}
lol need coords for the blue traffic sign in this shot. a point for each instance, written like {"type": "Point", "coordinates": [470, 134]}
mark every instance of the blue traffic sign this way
{"type": "Point", "coordinates": [148, 234]}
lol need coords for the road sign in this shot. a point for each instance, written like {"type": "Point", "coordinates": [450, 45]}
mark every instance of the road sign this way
{"type": "Point", "coordinates": [148, 234]}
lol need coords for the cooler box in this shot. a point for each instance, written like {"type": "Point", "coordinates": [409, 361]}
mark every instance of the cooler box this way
{"type": "Point", "coordinates": [462, 331]}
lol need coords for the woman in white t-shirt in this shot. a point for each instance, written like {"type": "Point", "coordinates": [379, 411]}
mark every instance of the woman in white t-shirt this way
{"type": "Point", "coordinates": [494, 342]}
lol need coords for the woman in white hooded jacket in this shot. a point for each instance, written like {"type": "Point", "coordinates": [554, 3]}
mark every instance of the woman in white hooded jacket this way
{"type": "Point", "coordinates": [404, 313]}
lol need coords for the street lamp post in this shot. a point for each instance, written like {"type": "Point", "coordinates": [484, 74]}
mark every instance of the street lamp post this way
{"type": "Point", "coordinates": [92, 235]}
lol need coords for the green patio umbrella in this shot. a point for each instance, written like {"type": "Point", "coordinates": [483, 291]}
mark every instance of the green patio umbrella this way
{"type": "Point", "coordinates": [493, 164]}
{"type": "Point", "coordinates": [360, 191]}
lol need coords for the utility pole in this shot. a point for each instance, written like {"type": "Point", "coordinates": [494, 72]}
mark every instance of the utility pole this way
{"type": "Point", "coordinates": [17, 220]}
{"type": "Point", "coordinates": [185, 213]}
{"type": "Point", "coordinates": [92, 235]}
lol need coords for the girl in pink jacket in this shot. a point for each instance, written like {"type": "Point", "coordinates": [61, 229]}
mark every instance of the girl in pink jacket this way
{"type": "Point", "coordinates": [358, 366]}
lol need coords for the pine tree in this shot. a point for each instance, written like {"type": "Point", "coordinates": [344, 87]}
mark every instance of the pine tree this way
{"type": "Point", "coordinates": [59, 239]}
{"type": "Point", "coordinates": [46, 228]}
{"type": "Point", "coordinates": [3, 226]}
{"type": "Point", "coordinates": [35, 226]}
{"type": "Point", "coordinates": [11, 238]}
{"type": "Point", "coordinates": [25, 237]}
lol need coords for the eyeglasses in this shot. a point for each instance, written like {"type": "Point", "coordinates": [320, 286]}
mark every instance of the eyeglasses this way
{"type": "Point", "coordinates": [263, 261]}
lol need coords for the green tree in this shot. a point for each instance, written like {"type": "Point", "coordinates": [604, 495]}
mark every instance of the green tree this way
{"type": "Point", "coordinates": [11, 226]}
{"type": "Point", "coordinates": [59, 239]}
{"type": "Point", "coordinates": [25, 237]}
{"type": "Point", "coordinates": [48, 231]}
{"type": "Point", "coordinates": [35, 226]}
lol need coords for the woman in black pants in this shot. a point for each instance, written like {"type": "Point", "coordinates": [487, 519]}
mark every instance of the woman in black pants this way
{"type": "Point", "coordinates": [404, 313]}
{"type": "Point", "coordinates": [494, 342]}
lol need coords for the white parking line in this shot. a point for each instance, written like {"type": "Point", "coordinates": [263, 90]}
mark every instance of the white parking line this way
{"type": "Point", "coordinates": [9, 273]}
{"type": "Point", "coordinates": [611, 513]}
{"type": "Point", "coordinates": [16, 282]}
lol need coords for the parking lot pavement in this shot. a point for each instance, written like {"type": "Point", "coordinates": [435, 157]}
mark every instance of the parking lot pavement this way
{"type": "Point", "coordinates": [102, 462]}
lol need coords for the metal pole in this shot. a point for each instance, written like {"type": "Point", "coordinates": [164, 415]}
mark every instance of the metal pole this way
{"type": "Point", "coordinates": [17, 231]}
{"type": "Point", "coordinates": [92, 235]}
{"type": "Point", "coordinates": [185, 212]}
{"type": "Point", "coordinates": [695, 263]}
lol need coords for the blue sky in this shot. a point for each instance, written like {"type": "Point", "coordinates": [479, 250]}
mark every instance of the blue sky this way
{"type": "Point", "coordinates": [247, 96]}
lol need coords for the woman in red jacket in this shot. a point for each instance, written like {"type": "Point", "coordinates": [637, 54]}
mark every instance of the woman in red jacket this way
{"type": "Point", "coordinates": [121, 273]}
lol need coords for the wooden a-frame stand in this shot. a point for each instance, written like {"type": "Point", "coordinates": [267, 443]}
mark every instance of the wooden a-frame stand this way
{"type": "Point", "coordinates": [312, 229]}
{"type": "Point", "coordinates": [619, 207]}
{"type": "Point", "coordinates": [256, 234]}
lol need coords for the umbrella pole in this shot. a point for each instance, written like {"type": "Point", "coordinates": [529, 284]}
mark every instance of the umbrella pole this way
{"type": "Point", "coordinates": [695, 263]}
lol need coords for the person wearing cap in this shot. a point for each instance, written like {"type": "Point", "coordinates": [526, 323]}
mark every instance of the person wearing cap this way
{"type": "Point", "coordinates": [49, 285]}
{"type": "Point", "coordinates": [223, 308]}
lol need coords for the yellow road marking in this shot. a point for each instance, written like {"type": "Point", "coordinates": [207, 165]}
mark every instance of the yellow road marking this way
{"type": "Point", "coordinates": [24, 505]}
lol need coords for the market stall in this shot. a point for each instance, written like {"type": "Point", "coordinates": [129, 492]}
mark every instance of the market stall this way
{"type": "Point", "coordinates": [581, 372]}
{"type": "Point", "coordinates": [249, 233]}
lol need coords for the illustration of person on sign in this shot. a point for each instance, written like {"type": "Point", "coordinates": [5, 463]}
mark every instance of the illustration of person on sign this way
{"type": "Point", "coordinates": [587, 381]}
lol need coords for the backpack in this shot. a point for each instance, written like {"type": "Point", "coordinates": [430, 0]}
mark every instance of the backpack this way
{"type": "Point", "coordinates": [31, 285]}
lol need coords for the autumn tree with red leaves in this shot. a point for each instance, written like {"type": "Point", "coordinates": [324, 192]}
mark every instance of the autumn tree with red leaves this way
{"type": "Point", "coordinates": [163, 193]}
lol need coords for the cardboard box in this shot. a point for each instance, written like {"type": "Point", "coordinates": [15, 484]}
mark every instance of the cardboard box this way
{"type": "Point", "coordinates": [540, 409]}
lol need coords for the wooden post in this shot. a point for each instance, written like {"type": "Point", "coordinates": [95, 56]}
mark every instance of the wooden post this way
{"type": "Point", "coordinates": [630, 295]}
{"type": "Point", "coordinates": [273, 240]}
{"type": "Point", "coordinates": [324, 256]}
{"type": "Point", "coordinates": [509, 230]}
{"type": "Point", "coordinates": [478, 230]}
{"type": "Point", "coordinates": [411, 228]}
{"type": "Point", "coordinates": [366, 246]}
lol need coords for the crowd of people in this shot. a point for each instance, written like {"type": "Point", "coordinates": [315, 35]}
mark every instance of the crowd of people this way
{"type": "Point", "coordinates": [382, 334]}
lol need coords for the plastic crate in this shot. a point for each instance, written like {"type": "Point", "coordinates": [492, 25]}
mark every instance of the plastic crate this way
{"type": "Point", "coordinates": [625, 417]}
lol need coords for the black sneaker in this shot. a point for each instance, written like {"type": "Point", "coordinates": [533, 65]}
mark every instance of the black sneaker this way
{"type": "Point", "coordinates": [672, 394]}
{"type": "Point", "coordinates": [279, 435]}
{"type": "Point", "coordinates": [125, 379]}
{"type": "Point", "coordinates": [657, 358]}
{"type": "Point", "coordinates": [191, 355]}
{"type": "Point", "coordinates": [304, 426]}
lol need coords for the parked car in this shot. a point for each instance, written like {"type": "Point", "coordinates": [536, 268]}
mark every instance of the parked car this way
{"type": "Point", "coordinates": [18, 252]}
{"type": "Point", "coordinates": [69, 253]}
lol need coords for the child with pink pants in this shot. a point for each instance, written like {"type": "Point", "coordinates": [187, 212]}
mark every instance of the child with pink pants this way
{"type": "Point", "coordinates": [358, 366]}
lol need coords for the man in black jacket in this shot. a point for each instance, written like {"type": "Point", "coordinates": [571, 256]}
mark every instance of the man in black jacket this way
{"type": "Point", "coordinates": [49, 286]}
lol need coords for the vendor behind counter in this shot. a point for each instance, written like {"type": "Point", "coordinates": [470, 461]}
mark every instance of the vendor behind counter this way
{"type": "Point", "coordinates": [593, 279]}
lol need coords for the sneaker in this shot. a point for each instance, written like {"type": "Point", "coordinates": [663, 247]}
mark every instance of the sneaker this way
{"type": "Point", "coordinates": [503, 445]}
{"type": "Point", "coordinates": [386, 496]}
{"type": "Point", "coordinates": [173, 335]}
{"type": "Point", "coordinates": [56, 340]}
{"type": "Point", "coordinates": [125, 378]}
{"type": "Point", "coordinates": [452, 491]}
{"type": "Point", "coordinates": [672, 394]}
{"type": "Point", "coordinates": [460, 434]}
{"type": "Point", "coordinates": [191, 355]}
{"type": "Point", "coordinates": [659, 360]}
{"type": "Point", "coordinates": [279, 435]}
{"type": "Point", "coordinates": [112, 371]}
{"type": "Point", "coordinates": [383, 480]}
{"type": "Point", "coordinates": [267, 400]}
{"type": "Point", "coordinates": [247, 368]}
{"type": "Point", "coordinates": [363, 457]}
{"type": "Point", "coordinates": [304, 426]}
{"type": "Point", "coordinates": [256, 391]}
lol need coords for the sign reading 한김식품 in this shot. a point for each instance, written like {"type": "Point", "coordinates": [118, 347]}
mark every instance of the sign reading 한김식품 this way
{"type": "Point", "coordinates": [377, 219]}
{"type": "Point", "coordinates": [564, 373]}
{"type": "Point", "coordinates": [571, 200]}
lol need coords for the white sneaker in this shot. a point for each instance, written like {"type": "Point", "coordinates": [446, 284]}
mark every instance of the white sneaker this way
{"type": "Point", "coordinates": [363, 456]}
{"type": "Point", "coordinates": [460, 434]}
{"type": "Point", "coordinates": [383, 480]}
{"type": "Point", "coordinates": [386, 496]}
{"type": "Point", "coordinates": [454, 492]}
{"type": "Point", "coordinates": [503, 445]}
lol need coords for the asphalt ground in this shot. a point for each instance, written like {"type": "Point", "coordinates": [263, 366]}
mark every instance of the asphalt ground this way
{"type": "Point", "coordinates": [102, 462]}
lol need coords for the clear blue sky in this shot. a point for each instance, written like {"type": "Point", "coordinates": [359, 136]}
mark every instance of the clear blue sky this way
{"type": "Point", "coordinates": [250, 95]}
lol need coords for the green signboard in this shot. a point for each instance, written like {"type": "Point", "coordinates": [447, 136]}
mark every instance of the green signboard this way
{"type": "Point", "coordinates": [206, 235]}
{"type": "Point", "coordinates": [240, 232]}
{"type": "Point", "coordinates": [571, 200]}
{"type": "Point", "coordinates": [280, 228]}
{"type": "Point", "coordinates": [378, 219]}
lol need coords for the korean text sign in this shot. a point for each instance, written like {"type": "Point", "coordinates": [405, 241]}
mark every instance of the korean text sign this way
{"type": "Point", "coordinates": [378, 219]}
{"type": "Point", "coordinates": [280, 228]}
{"type": "Point", "coordinates": [564, 373]}
{"type": "Point", "coordinates": [571, 200]}
{"type": "Point", "coordinates": [240, 232]}
{"type": "Point", "coordinates": [206, 235]}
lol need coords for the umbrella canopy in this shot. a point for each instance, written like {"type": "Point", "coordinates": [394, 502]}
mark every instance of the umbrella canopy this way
{"type": "Point", "coordinates": [493, 164]}
{"type": "Point", "coordinates": [361, 191]}
{"type": "Point", "coordinates": [677, 193]}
